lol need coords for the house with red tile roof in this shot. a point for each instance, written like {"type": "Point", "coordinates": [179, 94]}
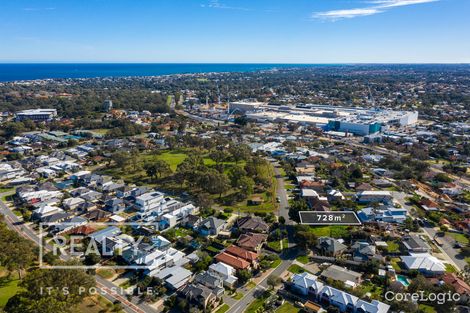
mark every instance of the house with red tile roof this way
{"type": "Point", "coordinates": [252, 241]}
{"type": "Point", "coordinates": [459, 285]}
{"type": "Point", "coordinates": [234, 261]}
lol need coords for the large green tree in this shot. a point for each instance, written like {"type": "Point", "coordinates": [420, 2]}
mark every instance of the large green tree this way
{"type": "Point", "coordinates": [51, 290]}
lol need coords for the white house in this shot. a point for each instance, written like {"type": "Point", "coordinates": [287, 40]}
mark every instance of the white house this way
{"type": "Point", "coordinates": [308, 285]}
{"type": "Point", "coordinates": [424, 263]}
{"type": "Point", "coordinates": [224, 271]}
{"type": "Point", "coordinates": [368, 196]}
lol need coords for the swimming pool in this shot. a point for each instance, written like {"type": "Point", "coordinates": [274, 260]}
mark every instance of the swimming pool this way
{"type": "Point", "coordinates": [403, 280]}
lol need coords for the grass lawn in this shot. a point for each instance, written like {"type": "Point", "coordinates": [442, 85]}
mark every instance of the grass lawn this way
{"type": "Point", "coordinates": [173, 158]}
{"type": "Point", "coordinates": [394, 262]}
{"type": "Point", "coordinates": [224, 308]}
{"type": "Point", "coordinates": [374, 290]}
{"type": "Point", "coordinates": [333, 231]}
{"type": "Point", "coordinates": [467, 259]}
{"type": "Point", "coordinates": [276, 245]}
{"type": "Point", "coordinates": [250, 285]}
{"type": "Point", "coordinates": [287, 307]}
{"type": "Point", "coordinates": [212, 249]}
{"type": "Point", "coordinates": [450, 268]}
{"type": "Point", "coordinates": [276, 263]}
{"type": "Point", "coordinates": [7, 291]}
{"type": "Point", "coordinates": [255, 305]}
{"type": "Point", "coordinates": [237, 296]}
{"type": "Point", "coordinates": [95, 304]}
{"type": "Point", "coordinates": [296, 269]}
{"type": "Point", "coordinates": [393, 246]}
{"type": "Point", "coordinates": [6, 189]}
{"type": "Point", "coordinates": [303, 259]}
{"type": "Point", "coordinates": [460, 238]}
{"type": "Point", "coordinates": [182, 232]}
{"type": "Point", "coordinates": [426, 308]}
{"type": "Point", "coordinates": [105, 273]}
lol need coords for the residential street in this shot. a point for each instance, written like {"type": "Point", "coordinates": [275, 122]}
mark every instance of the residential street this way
{"type": "Point", "coordinates": [288, 258]}
{"type": "Point", "coordinates": [447, 249]}
{"type": "Point", "coordinates": [281, 194]}
{"type": "Point", "coordinates": [105, 286]}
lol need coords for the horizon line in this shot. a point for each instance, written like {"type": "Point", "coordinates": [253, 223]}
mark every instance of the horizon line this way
{"type": "Point", "coordinates": [235, 63]}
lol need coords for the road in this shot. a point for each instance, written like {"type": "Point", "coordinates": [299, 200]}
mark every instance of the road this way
{"type": "Point", "coordinates": [449, 252]}
{"type": "Point", "coordinates": [288, 258]}
{"type": "Point", "coordinates": [281, 194]}
{"type": "Point", "coordinates": [436, 168]}
{"type": "Point", "coordinates": [107, 288]}
{"type": "Point", "coordinates": [447, 248]}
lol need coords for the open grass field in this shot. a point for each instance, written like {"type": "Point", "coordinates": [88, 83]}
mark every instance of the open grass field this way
{"type": "Point", "coordinates": [8, 287]}
{"type": "Point", "coordinates": [287, 307]}
{"type": "Point", "coordinates": [331, 231]}
{"type": "Point", "coordinates": [135, 174]}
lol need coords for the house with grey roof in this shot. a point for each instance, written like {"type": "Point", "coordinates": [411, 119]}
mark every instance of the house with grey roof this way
{"type": "Point", "coordinates": [211, 226]}
{"type": "Point", "coordinates": [174, 277]}
{"type": "Point", "coordinates": [413, 243]}
{"type": "Point", "coordinates": [330, 246]}
{"type": "Point", "coordinates": [348, 277]}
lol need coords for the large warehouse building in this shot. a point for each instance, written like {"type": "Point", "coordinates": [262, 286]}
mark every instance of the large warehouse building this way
{"type": "Point", "coordinates": [36, 114]}
{"type": "Point", "coordinates": [358, 121]}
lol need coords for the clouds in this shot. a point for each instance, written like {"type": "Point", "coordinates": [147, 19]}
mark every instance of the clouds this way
{"type": "Point", "coordinates": [38, 9]}
{"type": "Point", "coordinates": [378, 6]}
{"type": "Point", "coordinates": [215, 4]}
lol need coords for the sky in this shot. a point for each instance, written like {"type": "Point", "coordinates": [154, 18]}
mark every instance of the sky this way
{"type": "Point", "coordinates": [235, 31]}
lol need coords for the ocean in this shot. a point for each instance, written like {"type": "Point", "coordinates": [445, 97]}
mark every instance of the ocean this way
{"type": "Point", "coordinates": [30, 71]}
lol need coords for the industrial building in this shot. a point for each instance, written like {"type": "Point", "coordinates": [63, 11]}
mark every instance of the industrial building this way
{"type": "Point", "coordinates": [358, 121]}
{"type": "Point", "coordinates": [36, 114]}
{"type": "Point", "coordinates": [244, 106]}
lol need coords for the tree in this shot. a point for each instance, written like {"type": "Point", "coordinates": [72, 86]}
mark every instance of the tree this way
{"type": "Point", "coordinates": [218, 156]}
{"type": "Point", "coordinates": [281, 220]}
{"type": "Point", "coordinates": [50, 258]}
{"type": "Point", "coordinates": [92, 259]}
{"type": "Point", "coordinates": [241, 120]}
{"type": "Point", "coordinates": [247, 185]}
{"type": "Point", "coordinates": [243, 276]}
{"type": "Point", "coordinates": [16, 252]}
{"type": "Point", "coordinates": [157, 168]}
{"type": "Point", "coordinates": [239, 152]}
{"type": "Point", "coordinates": [121, 158]}
{"type": "Point", "coordinates": [235, 174]}
{"type": "Point", "coordinates": [43, 291]}
{"type": "Point", "coordinates": [214, 182]}
{"type": "Point", "coordinates": [296, 207]}
{"type": "Point", "coordinates": [203, 200]}
{"type": "Point", "coordinates": [273, 281]}
{"type": "Point", "coordinates": [306, 239]}
{"type": "Point", "coordinates": [443, 178]}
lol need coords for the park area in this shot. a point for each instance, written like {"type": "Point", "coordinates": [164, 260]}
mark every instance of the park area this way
{"type": "Point", "coordinates": [258, 198]}
{"type": "Point", "coordinates": [8, 286]}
